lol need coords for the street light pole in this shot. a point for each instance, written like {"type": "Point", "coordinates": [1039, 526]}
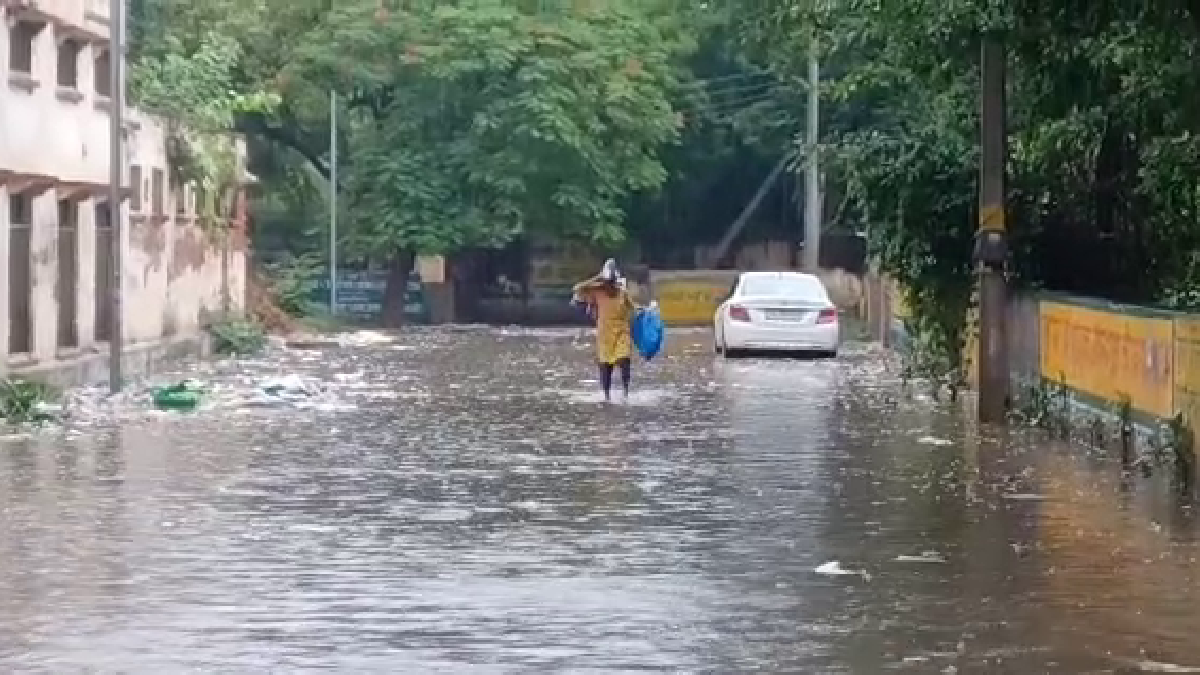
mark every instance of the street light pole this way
{"type": "Point", "coordinates": [116, 53]}
{"type": "Point", "coordinates": [333, 195]}
{"type": "Point", "coordinates": [991, 244]}
{"type": "Point", "coordinates": [812, 182]}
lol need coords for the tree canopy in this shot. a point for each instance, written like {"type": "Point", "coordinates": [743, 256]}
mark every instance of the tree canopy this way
{"type": "Point", "coordinates": [471, 123]}
{"type": "Point", "coordinates": [1102, 138]}
{"type": "Point", "coordinates": [463, 125]}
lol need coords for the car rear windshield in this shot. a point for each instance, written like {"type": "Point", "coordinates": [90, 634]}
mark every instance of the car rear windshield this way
{"type": "Point", "coordinates": [799, 288]}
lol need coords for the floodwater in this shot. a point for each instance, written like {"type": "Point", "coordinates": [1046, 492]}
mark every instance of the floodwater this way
{"type": "Point", "coordinates": [471, 506]}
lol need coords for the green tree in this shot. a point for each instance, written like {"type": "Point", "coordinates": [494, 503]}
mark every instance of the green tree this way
{"type": "Point", "coordinates": [1102, 138]}
{"type": "Point", "coordinates": [184, 64]}
{"type": "Point", "coordinates": [740, 118]}
{"type": "Point", "coordinates": [898, 124]}
{"type": "Point", "coordinates": [462, 124]}
{"type": "Point", "coordinates": [471, 125]}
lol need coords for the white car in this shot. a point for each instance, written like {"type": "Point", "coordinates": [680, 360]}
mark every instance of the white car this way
{"type": "Point", "coordinates": [777, 311]}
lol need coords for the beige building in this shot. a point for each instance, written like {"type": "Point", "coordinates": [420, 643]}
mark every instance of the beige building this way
{"type": "Point", "coordinates": [55, 229]}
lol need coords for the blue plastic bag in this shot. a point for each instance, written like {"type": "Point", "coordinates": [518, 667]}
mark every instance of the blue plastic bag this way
{"type": "Point", "coordinates": [648, 331]}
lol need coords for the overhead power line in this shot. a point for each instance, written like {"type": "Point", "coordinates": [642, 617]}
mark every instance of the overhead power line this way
{"type": "Point", "coordinates": [732, 77]}
{"type": "Point", "coordinates": [741, 89]}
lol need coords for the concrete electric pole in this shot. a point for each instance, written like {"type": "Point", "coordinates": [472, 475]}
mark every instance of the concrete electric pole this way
{"type": "Point", "coordinates": [116, 54]}
{"type": "Point", "coordinates": [991, 244]}
{"type": "Point", "coordinates": [812, 176]}
{"type": "Point", "coordinates": [333, 199]}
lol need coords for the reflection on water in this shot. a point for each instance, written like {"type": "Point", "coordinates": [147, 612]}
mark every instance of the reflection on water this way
{"type": "Point", "coordinates": [479, 510]}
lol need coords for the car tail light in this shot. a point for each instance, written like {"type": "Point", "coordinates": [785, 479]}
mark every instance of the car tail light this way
{"type": "Point", "coordinates": [827, 316]}
{"type": "Point", "coordinates": [738, 313]}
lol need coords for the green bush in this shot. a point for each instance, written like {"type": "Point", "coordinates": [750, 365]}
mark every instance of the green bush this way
{"type": "Point", "coordinates": [936, 340]}
{"type": "Point", "coordinates": [237, 336]}
{"type": "Point", "coordinates": [21, 400]}
{"type": "Point", "coordinates": [293, 280]}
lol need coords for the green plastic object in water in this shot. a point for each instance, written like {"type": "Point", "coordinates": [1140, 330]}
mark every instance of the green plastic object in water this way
{"type": "Point", "coordinates": [183, 396]}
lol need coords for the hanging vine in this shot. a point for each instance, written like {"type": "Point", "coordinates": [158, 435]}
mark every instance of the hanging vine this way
{"type": "Point", "coordinates": [210, 163]}
{"type": "Point", "coordinates": [193, 91]}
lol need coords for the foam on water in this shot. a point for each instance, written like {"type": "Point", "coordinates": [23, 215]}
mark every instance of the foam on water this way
{"type": "Point", "coordinates": [637, 397]}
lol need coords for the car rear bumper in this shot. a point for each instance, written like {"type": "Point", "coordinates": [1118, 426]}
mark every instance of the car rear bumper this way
{"type": "Point", "coordinates": [816, 337]}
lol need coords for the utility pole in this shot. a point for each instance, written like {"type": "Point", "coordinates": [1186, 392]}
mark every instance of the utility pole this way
{"type": "Point", "coordinates": [991, 243]}
{"type": "Point", "coordinates": [116, 53]}
{"type": "Point", "coordinates": [333, 195]}
{"type": "Point", "coordinates": [812, 177]}
{"type": "Point", "coordinates": [718, 254]}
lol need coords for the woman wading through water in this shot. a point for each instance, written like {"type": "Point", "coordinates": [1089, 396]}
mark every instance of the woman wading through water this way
{"type": "Point", "coordinates": [613, 308]}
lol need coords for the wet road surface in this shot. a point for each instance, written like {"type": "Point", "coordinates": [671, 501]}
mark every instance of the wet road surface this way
{"type": "Point", "coordinates": [472, 507]}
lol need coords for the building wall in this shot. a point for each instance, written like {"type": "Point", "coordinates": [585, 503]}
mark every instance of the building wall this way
{"type": "Point", "coordinates": [1106, 355]}
{"type": "Point", "coordinates": [691, 297]}
{"type": "Point", "coordinates": [4, 329]}
{"type": "Point", "coordinates": [177, 271]}
{"type": "Point", "coordinates": [847, 252]}
{"type": "Point", "coordinates": [54, 148]}
{"type": "Point", "coordinates": [1108, 352]}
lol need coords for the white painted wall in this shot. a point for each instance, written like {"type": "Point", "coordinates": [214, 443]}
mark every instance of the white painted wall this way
{"type": "Point", "coordinates": [41, 131]}
{"type": "Point", "coordinates": [3, 277]}
{"type": "Point", "coordinates": [173, 269]}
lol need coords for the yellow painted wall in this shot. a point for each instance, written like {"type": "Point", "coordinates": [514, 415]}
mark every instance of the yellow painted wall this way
{"type": "Point", "coordinates": [691, 298]}
{"type": "Point", "coordinates": [899, 298]}
{"type": "Point", "coordinates": [1187, 369]}
{"type": "Point", "coordinates": [1110, 355]}
{"type": "Point", "coordinates": [971, 345]}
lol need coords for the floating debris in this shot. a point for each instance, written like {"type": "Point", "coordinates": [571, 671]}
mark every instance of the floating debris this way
{"type": "Point", "coordinates": [44, 410]}
{"type": "Point", "coordinates": [932, 440]}
{"type": "Point", "coordinates": [834, 568]}
{"type": "Point", "coordinates": [182, 396]}
{"type": "Point", "coordinates": [924, 557]}
{"type": "Point", "coordinates": [1147, 666]}
{"type": "Point", "coordinates": [1023, 496]}
{"type": "Point", "coordinates": [312, 342]}
{"type": "Point", "coordinates": [291, 387]}
{"type": "Point", "coordinates": [366, 338]}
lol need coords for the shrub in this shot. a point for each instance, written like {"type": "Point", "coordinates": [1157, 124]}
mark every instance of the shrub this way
{"type": "Point", "coordinates": [21, 400]}
{"type": "Point", "coordinates": [293, 281]}
{"type": "Point", "coordinates": [237, 336]}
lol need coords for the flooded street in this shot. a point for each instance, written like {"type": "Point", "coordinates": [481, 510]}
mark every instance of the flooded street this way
{"type": "Point", "coordinates": [471, 506]}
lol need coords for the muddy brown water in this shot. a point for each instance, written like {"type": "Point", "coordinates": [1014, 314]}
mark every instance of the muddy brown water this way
{"type": "Point", "coordinates": [474, 508]}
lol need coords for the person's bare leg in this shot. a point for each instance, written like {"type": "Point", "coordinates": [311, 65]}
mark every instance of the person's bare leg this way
{"type": "Point", "coordinates": [606, 376]}
{"type": "Point", "coordinates": [626, 376]}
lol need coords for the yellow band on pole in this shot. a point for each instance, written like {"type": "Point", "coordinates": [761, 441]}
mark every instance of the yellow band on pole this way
{"type": "Point", "coordinates": [991, 219]}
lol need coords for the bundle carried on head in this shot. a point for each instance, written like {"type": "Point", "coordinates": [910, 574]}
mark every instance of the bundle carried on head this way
{"type": "Point", "coordinates": [609, 271]}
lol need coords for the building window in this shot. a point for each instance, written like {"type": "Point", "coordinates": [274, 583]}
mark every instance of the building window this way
{"type": "Point", "coordinates": [179, 194]}
{"type": "Point", "coordinates": [20, 209]}
{"type": "Point", "coordinates": [158, 192]}
{"type": "Point", "coordinates": [102, 75]}
{"type": "Point", "coordinates": [22, 38]}
{"type": "Point", "coordinates": [102, 328]}
{"type": "Point", "coordinates": [68, 273]}
{"type": "Point", "coordinates": [68, 63]}
{"type": "Point", "coordinates": [135, 187]}
{"type": "Point", "coordinates": [20, 282]}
